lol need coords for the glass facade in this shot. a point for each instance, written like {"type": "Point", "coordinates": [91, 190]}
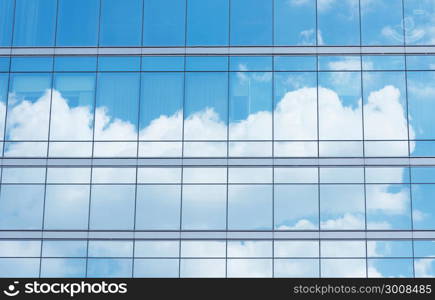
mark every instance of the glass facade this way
{"type": "Point", "coordinates": [217, 138]}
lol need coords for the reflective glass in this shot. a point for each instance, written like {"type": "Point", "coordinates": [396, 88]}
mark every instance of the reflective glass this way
{"type": "Point", "coordinates": [116, 116]}
{"type": "Point", "coordinates": [296, 207]}
{"type": "Point", "coordinates": [34, 22]}
{"type": "Point", "coordinates": [338, 22]}
{"type": "Point", "coordinates": [6, 21]}
{"type": "Point", "coordinates": [295, 113]}
{"type": "Point", "coordinates": [420, 104]}
{"type": "Point", "coordinates": [340, 112]}
{"type": "Point", "coordinates": [206, 106]}
{"type": "Point", "coordinates": [381, 22]}
{"type": "Point", "coordinates": [419, 21]}
{"type": "Point", "coordinates": [250, 105]}
{"type": "Point", "coordinates": [77, 22]}
{"type": "Point", "coordinates": [21, 207]}
{"type": "Point", "coordinates": [204, 207]}
{"type": "Point", "coordinates": [158, 207]}
{"type": "Point", "coordinates": [294, 22]}
{"type": "Point", "coordinates": [72, 106]}
{"type": "Point", "coordinates": [342, 207]}
{"type": "Point", "coordinates": [251, 26]}
{"type": "Point", "coordinates": [385, 99]}
{"type": "Point", "coordinates": [66, 207]}
{"type": "Point", "coordinates": [423, 206]}
{"type": "Point", "coordinates": [28, 107]}
{"type": "Point", "coordinates": [112, 207]}
{"type": "Point", "coordinates": [164, 22]}
{"type": "Point", "coordinates": [207, 22]}
{"type": "Point", "coordinates": [250, 207]}
{"type": "Point", "coordinates": [388, 206]}
{"type": "Point", "coordinates": [161, 106]}
{"type": "Point", "coordinates": [121, 23]}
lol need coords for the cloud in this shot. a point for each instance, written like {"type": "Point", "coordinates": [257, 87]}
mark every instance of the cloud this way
{"type": "Point", "coordinates": [424, 267]}
{"type": "Point", "coordinates": [348, 221]}
{"type": "Point", "coordinates": [295, 118]}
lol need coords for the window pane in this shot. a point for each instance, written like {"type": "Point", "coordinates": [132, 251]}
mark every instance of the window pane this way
{"type": "Point", "coordinates": [420, 21]}
{"type": "Point", "coordinates": [110, 248]}
{"type": "Point", "coordinates": [390, 268]}
{"type": "Point", "coordinates": [6, 21]}
{"type": "Point", "coordinates": [202, 268]}
{"type": "Point", "coordinates": [112, 207]}
{"type": "Point", "coordinates": [204, 207]}
{"type": "Point", "coordinates": [156, 268]}
{"type": "Point", "coordinates": [117, 104]}
{"type": "Point", "coordinates": [204, 175]}
{"type": "Point", "coordinates": [251, 26]}
{"type": "Point", "coordinates": [295, 175]}
{"type": "Point", "coordinates": [385, 99]}
{"type": "Point", "coordinates": [164, 26]}
{"type": "Point", "coordinates": [343, 248]}
{"type": "Point", "coordinates": [34, 22]}
{"type": "Point", "coordinates": [296, 207]}
{"type": "Point", "coordinates": [249, 268]}
{"type": "Point", "coordinates": [389, 249]}
{"type": "Point", "coordinates": [77, 22]}
{"type": "Point", "coordinates": [338, 22]}
{"type": "Point", "coordinates": [296, 248]}
{"type": "Point", "coordinates": [342, 175]}
{"type": "Point", "coordinates": [423, 206]}
{"type": "Point", "coordinates": [343, 268]}
{"type": "Point", "coordinates": [158, 207]}
{"type": "Point", "coordinates": [424, 268]}
{"type": "Point", "coordinates": [36, 64]}
{"type": "Point", "coordinates": [421, 103]}
{"type": "Point", "coordinates": [340, 113]}
{"type": "Point", "coordinates": [17, 248]}
{"type": "Point", "coordinates": [28, 107]}
{"type": "Point", "coordinates": [161, 106]}
{"type": "Point", "coordinates": [60, 267]}
{"type": "Point", "coordinates": [295, 106]}
{"type": "Point", "coordinates": [381, 22]}
{"type": "Point", "coordinates": [19, 267]}
{"type": "Point", "coordinates": [75, 63]}
{"type": "Point", "coordinates": [250, 207]}
{"type": "Point", "coordinates": [388, 206]}
{"type": "Point", "coordinates": [156, 248]}
{"type": "Point", "coordinates": [66, 207]}
{"type": "Point", "coordinates": [72, 106]}
{"type": "Point", "coordinates": [250, 175]}
{"type": "Point", "coordinates": [118, 63]}
{"type": "Point", "coordinates": [295, 22]}
{"type": "Point", "coordinates": [308, 268]}
{"type": "Point", "coordinates": [109, 268]}
{"type": "Point", "coordinates": [208, 22]}
{"type": "Point", "coordinates": [21, 206]}
{"type": "Point", "coordinates": [203, 248]}
{"type": "Point", "coordinates": [342, 207]}
{"type": "Point", "coordinates": [159, 175]}
{"type": "Point", "coordinates": [207, 63]}
{"type": "Point", "coordinates": [250, 105]}
{"type": "Point", "coordinates": [64, 248]}
{"type": "Point", "coordinates": [121, 23]}
{"type": "Point", "coordinates": [206, 106]}
{"type": "Point", "coordinates": [249, 249]}
{"type": "Point", "coordinates": [23, 175]}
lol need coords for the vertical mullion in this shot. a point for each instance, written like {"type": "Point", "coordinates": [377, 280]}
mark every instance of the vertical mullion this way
{"type": "Point", "coordinates": [93, 141]}
{"type": "Point", "coordinates": [48, 138]}
{"type": "Point", "coordinates": [137, 148]}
